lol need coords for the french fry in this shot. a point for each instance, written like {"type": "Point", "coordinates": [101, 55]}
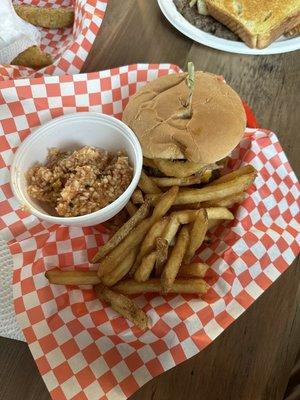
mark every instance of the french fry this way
{"type": "Point", "coordinates": [155, 231]}
{"type": "Point", "coordinates": [219, 213]}
{"type": "Point", "coordinates": [131, 208]}
{"type": "Point", "coordinates": [153, 285]}
{"type": "Point", "coordinates": [161, 255]}
{"type": "Point", "coordinates": [123, 305]}
{"type": "Point", "coordinates": [174, 262]}
{"type": "Point", "coordinates": [166, 201]}
{"type": "Point", "coordinates": [178, 169]}
{"type": "Point", "coordinates": [183, 217]}
{"type": "Point", "coordinates": [216, 215]}
{"type": "Point", "coordinates": [178, 218]}
{"type": "Point", "coordinates": [46, 17]}
{"type": "Point", "coordinates": [137, 196]}
{"type": "Point", "coordinates": [72, 277]}
{"type": "Point", "coordinates": [121, 269]}
{"type": "Point", "coordinates": [145, 268]}
{"type": "Point", "coordinates": [155, 258]}
{"type": "Point", "coordinates": [188, 181]}
{"type": "Point", "coordinates": [182, 207]}
{"type": "Point", "coordinates": [193, 270]}
{"type": "Point", "coordinates": [147, 184]}
{"type": "Point", "coordinates": [136, 236]}
{"type": "Point", "coordinates": [147, 162]}
{"type": "Point", "coordinates": [197, 235]}
{"type": "Point", "coordinates": [247, 169]}
{"type": "Point", "coordinates": [226, 201]}
{"type": "Point", "coordinates": [215, 192]}
{"type": "Point", "coordinates": [149, 242]}
{"type": "Point", "coordinates": [171, 229]}
{"type": "Point", "coordinates": [230, 200]}
{"type": "Point", "coordinates": [111, 260]}
{"type": "Point", "coordinates": [117, 238]}
{"type": "Point", "coordinates": [33, 57]}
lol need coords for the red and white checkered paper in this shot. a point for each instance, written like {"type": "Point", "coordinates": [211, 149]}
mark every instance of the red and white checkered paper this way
{"type": "Point", "coordinates": [83, 349]}
{"type": "Point", "coordinates": [69, 47]}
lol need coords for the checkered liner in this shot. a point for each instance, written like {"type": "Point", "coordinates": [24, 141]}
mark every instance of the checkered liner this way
{"type": "Point", "coordinates": [69, 47]}
{"type": "Point", "coordinates": [82, 348]}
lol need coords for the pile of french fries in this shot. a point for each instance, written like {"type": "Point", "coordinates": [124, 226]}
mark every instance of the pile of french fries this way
{"type": "Point", "coordinates": [170, 214]}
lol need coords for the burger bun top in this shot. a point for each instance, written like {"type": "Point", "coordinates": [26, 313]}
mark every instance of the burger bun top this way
{"type": "Point", "coordinates": [157, 115]}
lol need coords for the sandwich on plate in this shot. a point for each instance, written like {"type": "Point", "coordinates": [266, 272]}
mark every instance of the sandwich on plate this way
{"type": "Point", "coordinates": [258, 23]}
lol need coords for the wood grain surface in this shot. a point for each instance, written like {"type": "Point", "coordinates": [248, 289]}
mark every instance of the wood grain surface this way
{"type": "Point", "coordinates": [253, 358]}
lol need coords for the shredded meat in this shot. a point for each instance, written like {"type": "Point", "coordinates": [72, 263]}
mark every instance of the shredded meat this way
{"type": "Point", "coordinates": [79, 182]}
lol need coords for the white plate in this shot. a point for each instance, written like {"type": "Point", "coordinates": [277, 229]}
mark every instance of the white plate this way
{"type": "Point", "coordinates": [168, 8]}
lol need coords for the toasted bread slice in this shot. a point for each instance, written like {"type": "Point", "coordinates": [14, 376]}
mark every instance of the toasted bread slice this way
{"type": "Point", "coordinates": [257, 22]}
{"type": "Point", "coordinates": [293, 32]}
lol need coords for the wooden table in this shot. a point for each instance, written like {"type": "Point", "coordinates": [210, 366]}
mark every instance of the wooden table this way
{"type": "Point", "coordinates": [253, 358]}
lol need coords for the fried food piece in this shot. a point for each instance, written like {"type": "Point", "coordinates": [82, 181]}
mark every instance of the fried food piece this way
{"type": "Point", "coordinates": [153, 285]}
{"type": "Point", "coordinates": [226, 201]}
{"type": "Point", "coordinates": [33, 57]}
{"type": "Point", "coordinates": [137, 196]}
{"type": "Point", "coordinates": [183, 217]}
{"type": "Point", "coordinates": [131, 208]}
{"type": "Point", "coordinates": [46, 17]}
{"type": "Point", "coordinates": [245, 170]}
{"type": "Point", "coordinates": [175, 259]}
{"type": "Point", "coordinates": [145, 268]}
{"type": "Point", "coordinates": [58, 277]}
{"type": "Point", "coordinates": [123, 305]}
{"type": "Point", "coordinates": [148, 185]}
{"type": "Point", "coordinates": [148, 162]}
{"type": "Point", "coordinates": [197, 235]}
{"type": "Point", "coordinates": [193, 270]}
{"type": "Point", "coordinates": [139, 216]}
{"type": "Point", "coordinates": [191, 206]}
{"type": "Point", "coordinates": [155, 258]}
{"type": "Point", "coordinates": [136, 236]}
{"type": "Point", "coordinates": [171, 229]}
{"type": "Point", "coordinates": [121, 269]}
{"type": "Point", "coordinates": [149, 242]}
{"type": "Point", "coordinates": [162, 247]}
{"type": "Point", "coordinates": [188, 181]}
{"type": "Point", "coordinates": [214, 192]}
{"type": "Point", "coordinates": [156, 230]}
{"type": "Point", "coordinates": [176, 219]}
{"type": "Point", "coordinates": [219, 213]}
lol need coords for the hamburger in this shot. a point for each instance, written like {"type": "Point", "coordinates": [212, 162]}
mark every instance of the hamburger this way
{"type": "Point", "coordinates": [191, 119]}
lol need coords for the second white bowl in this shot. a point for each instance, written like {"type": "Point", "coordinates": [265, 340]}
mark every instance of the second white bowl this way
{"type": "Point", "coordinates": [71, 132]}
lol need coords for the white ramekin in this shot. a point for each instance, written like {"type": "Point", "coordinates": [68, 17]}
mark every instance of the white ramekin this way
{"type": "Point", "coordinates": [68, 133]}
